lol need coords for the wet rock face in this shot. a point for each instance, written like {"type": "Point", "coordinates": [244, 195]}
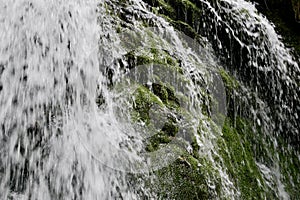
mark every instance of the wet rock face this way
{"type": "Point", "coordinates": [287, 10]}
{"type": "Point", "coordinates": [296, 7]}
{"type": "Point", "coordinates": [234, 48]}
{"type": "Point", "coordinates": [285, 14]}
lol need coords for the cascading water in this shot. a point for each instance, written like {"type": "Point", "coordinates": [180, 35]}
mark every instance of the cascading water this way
{"type": "Point", "coordinates": [49, 78]}
{"type": "Point", "coordinates": [77, 95]}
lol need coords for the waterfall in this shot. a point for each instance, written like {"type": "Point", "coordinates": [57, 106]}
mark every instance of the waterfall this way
{"type": "Point", "coordinates": [49, 78]}
{"type": "Point", "coordinates": [146, 100]}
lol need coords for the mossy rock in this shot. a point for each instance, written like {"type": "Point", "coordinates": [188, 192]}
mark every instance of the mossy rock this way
{"type": "Point", "coordinates": [239, 159]}
{"type": "Point", "coordinates": [182, 179]}
{"type": "Point", "coordinates": [231, 83]}
{"type": "Point", "coordinates": [163, 97]}
{"type": "Point", "coordinates": [144, 99]}
{"type": "Point", "coordinates": [152, 57]}
{"type": "Point", "coordinates": [181, 13]}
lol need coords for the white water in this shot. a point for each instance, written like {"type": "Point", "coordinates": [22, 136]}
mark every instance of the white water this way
{"type": "Point", "coordinates": [55, 141]}
{"type": "Point", "coordinates": [50, 61]}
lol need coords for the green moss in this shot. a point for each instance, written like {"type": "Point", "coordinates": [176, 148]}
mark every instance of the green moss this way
{"type": "Point", "coordinates": [184, 4]}
{"type": "Point", "coordinates": [239, 146]}
{"type": "Point", "coordinates": [183, 179]}
{"type": "Point", "coordinates": [239, 159]}
{"type": "Point", "coordinates": [245, 12]}
{"type": "Point", "coordinates": [170, 128]}
{"type": "Point", "coordinates": [161, 6]}
{"type": "Point", "coordinates": [195, 147]}
{"type": "Point", "coordinates": [289, 166]}
{"type": "Point", "coordinates": [166, 94]}
{"type": "Point", "coordinates": [181, 13]}
{"type": "Point", "coordinates": [142, 60]}
{"type": "Point", "coordinates": [182, 26]}
{"type": "Point", "coordinates": [144, 99]}
{"type": "Point", "coordinates": [260, 148]}
{"type": "Point", "coordinates": [230, 82]}
{"type": "Point", "coordinates": [168, 131]}
{"type": "Point", "coordinates": [180, 179]}
{"type": "Point", "coordinates": [153, 56]}
{"type": "Point", "coordinates": [156, 140]}
{"type": "Point", "coordinates": [119, 29]}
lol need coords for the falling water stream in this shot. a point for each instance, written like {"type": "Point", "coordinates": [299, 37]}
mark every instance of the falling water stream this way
{"type": "Point", "coordinates": [65, 113]}
{"type": "Point", "coordinates": [49, 77]}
